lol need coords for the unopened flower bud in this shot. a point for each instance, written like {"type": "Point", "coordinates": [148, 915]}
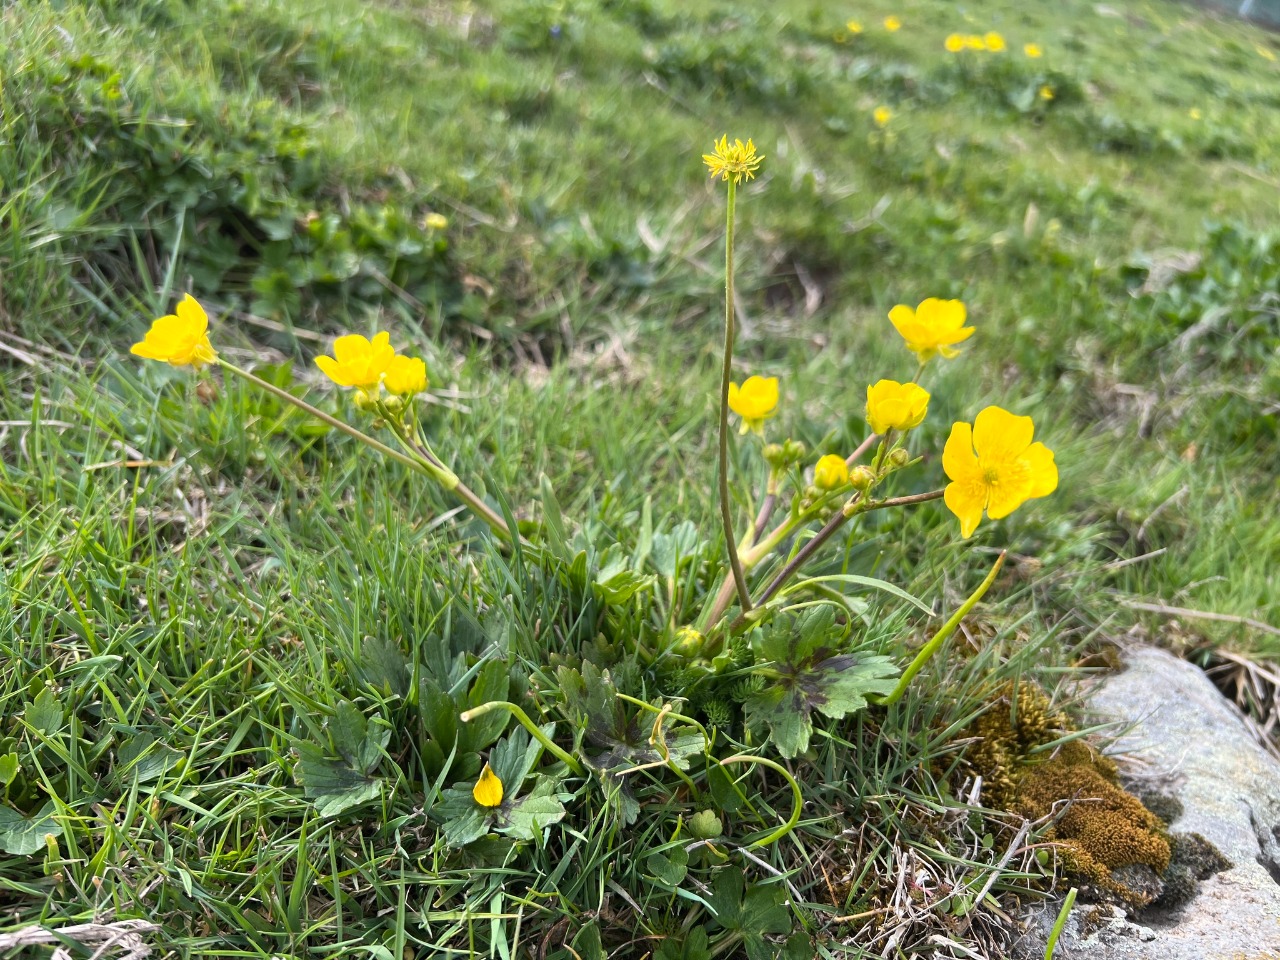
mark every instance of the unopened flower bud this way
{"type": "Point", "coordinates": [774, 455]}
{"type": "Point", "coordinates": [899, 457]}
{"type": "Point", "coordinates": [395, 404]}
{"type": "Point", "coordinates": [688, 642]}
{"type": "Point", "coordinates": [862, 477]}
{"type": "Point", "coordinates": [364, 403]}
{"type": "Point", "coordinates": [793, 450]}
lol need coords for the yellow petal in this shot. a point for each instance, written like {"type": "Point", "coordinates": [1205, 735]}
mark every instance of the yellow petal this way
{"type": "Point", "coordinates": [192, 314]}
{"type": "Point", "coordinates": [488, 789]}
{"type": "Point", "coordinates": [999, 435]}
{"type": "Point", "coordinates": [351, 348]}
{"type": "Point", "coordinates": [958, 460]}
{"type": "Point", "coordinates": [1041, 469]}
{"type": "Point", "coordinates": [965, 500]}
{"type": "Point", "coordinates": [1008, 490]}
{"type": "Point", "coordinates": [903, 319]}
{"type": "Point", "coordinates": [331, 369]}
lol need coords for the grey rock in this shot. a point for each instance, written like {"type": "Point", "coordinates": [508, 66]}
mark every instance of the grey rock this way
{"type": "Point", "coordinates": [1187, 741]}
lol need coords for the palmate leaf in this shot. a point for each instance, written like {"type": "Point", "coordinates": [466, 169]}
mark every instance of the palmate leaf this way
{"type": "Point", "coordinates": [812, 674]}
{"type": "Point", "coordinates": [751, 911]}
{"type": "Point", "coordinates": [23, 836]}
{"type": "Point", "coordinates": [340, 777]}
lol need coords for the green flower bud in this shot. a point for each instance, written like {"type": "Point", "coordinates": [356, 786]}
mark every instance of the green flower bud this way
{"type": "Point", "coordinates": [862, 478]}
{"type": "Point", "coordinates": [899, 457]}
{"type": "Point", "coordinates": [705, 825]}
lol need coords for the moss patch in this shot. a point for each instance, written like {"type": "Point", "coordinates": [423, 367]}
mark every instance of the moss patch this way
{"type": "Point", "coordinates": [1099, 826]}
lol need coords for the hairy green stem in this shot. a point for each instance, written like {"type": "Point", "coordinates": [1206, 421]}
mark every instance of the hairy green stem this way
{"type": "Point", "coordinates": [726, 374]}
{"type": "Point", "coordinates": [825, 534]}
{"type": "Point", "coordinates": [534, 730]}
{"type": "Point", "coordinates": [436, 471]}
{"type": "Point", "coordinates": [948, 628]}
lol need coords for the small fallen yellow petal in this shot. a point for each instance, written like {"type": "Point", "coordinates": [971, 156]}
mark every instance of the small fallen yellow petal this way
{"type": "Point", "coordinates": [488, 789]}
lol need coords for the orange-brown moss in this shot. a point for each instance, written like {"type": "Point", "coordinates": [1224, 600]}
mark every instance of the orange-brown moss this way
{"type": "Point", "coordinates": [1099, 827]}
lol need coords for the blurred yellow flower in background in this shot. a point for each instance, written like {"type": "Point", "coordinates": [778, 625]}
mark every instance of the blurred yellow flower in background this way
{"type": "Point", "coordinates": [736, 161]}
{"type": "Point", "coordinates": [1033, 51]}
{"type": "Point", "coordinates": [882, 116]}
{"type": "Point", "coordinates": [357, 361]}
{"type": "Point", "coordinates": [405, 376]}
{"type": "Point", "coordinates": [994, 42]}
{"type": "Point", "coordinates": [932, 328]}
{"type": "Point", "coordinates": [974, 42]}
{"type": "Point", "coordinates": [994, 466]}
{"type": "Point", "coordinates": [1046, 93]}
{"type": "Point", "coordinates": [755, 401]}
{"type": "Point", "coordinates": [892, 24]}
{"type": "Point", "coordinates": [436, 221]}
{"type": "Point", "coordinates": [830, 472]}
{"type": "Point", "coordinates": [1194, 113]}
{"type": "Point", "coordinates": [181, 338]}
{"type": "Point", "coordinates": [954, 43]}
{"type": "Point", "coordinates": [488, 789]}
{"type": "Point", "coordinates": [896, 406]}
{"type": "Point", "coordinates": [853, 26]}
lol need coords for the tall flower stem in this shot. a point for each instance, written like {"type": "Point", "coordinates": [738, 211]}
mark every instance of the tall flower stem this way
{"type": "Point", "coordinates": [726, 510]}
{"type": "Point", "coordinates": [435, 471]}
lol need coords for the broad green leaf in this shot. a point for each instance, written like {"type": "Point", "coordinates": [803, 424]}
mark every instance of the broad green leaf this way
{"type": "Point", "coordinates": [693, 946]}
{"type": "Point", "coordinates": [8, 769]}
{"type": "Point", "coordinates": [669, 867]}
{"type": "Point", "coordinates": [618, 588]}
{"type": "Point", "coordinates": [467, 827]}
{"type": "Point", "coordinates": [331, 783]}
{"type": "Point", "coordinates": [526, 816]}
{"type": "Point", "coordinates": [45, 712]}
{"type": "Point", "coordinates": [22, 836]}
{"type": "Point", "coordinates": [383, 666]}
{"type": "Point", "coordinates": [810, 673]}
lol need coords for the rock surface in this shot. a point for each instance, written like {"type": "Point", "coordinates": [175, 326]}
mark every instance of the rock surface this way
{"type": "Point", "coordinates": [1188, 742]}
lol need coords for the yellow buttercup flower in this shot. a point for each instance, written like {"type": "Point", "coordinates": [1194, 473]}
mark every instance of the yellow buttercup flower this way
{"type": "Point", "coordinates": [994, 42]}
{"type": "Point", "coordinates": [853, 26]}
{"type": "Point", "coordinates": [1046, 93]}
{"type": "Point", "coordinates": [755, 401]}
{"type": "Point", "coordinates": [882, 116]}
{"type": "Point", "coordinates": [732, 161]}
{"type": "Point", "coordinates": [357, 361]}
{"type": "Point", "coordinates": [954, 43]}
{"type": "Point", "coordinates": [932, 328]}
{"type": "Point", "coordinates": [974, 42]}
{"type": "Point", "coordinates": [1033, 51]}
{"type": "Point", "coordinates": [892, 24]}
{"type": "Point", "coordinates": [830, 472]}
{"type": "Point", "coordinates": [488, 789]}
{"type": "Point", "coordinates": [435, 221]}
{"type": "Point", "coordinates": [405, 376]}
{"type": "Point", "coordinates": [1194, 113]}
{"type": "Point", "coordinates": [994, 466]}
{"type": "Point", "coordinates": [181, 338]}
{"type": "Point", "coordinates": [896, 406]}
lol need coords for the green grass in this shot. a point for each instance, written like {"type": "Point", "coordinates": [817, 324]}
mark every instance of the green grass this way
{"type": "Point", "coordinates": [198, 582]}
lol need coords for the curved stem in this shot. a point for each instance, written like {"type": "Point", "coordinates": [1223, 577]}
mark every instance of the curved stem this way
{"type": "Point", "coordinates": [534, 730]}
{"type": "Point", "coordinates": [948, 628]}
{"type": "Point", "coordinates": [862, 448]}
{"type": "Point", "coordinates": [797, 796]}
{"type": "Point", "coordinates": [726, 373]}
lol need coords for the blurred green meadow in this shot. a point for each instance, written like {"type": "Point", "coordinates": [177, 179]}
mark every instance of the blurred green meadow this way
{"type": "Point", "coordinates": [196, 579]}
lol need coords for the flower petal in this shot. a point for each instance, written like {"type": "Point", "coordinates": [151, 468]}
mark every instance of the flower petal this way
{"type": "Point", "coordinates": [1008, 491]}
{"type": "Point", "coordinates": [192, 314]}
{"type": "Point", "coordinates": [965, 500]}
{"type": "Point", "coordinates": [999, 435]}
{"type": "Point", "coordinates": [1042, 471]}
{"type": "Point", "coordinates": [958, 460]}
